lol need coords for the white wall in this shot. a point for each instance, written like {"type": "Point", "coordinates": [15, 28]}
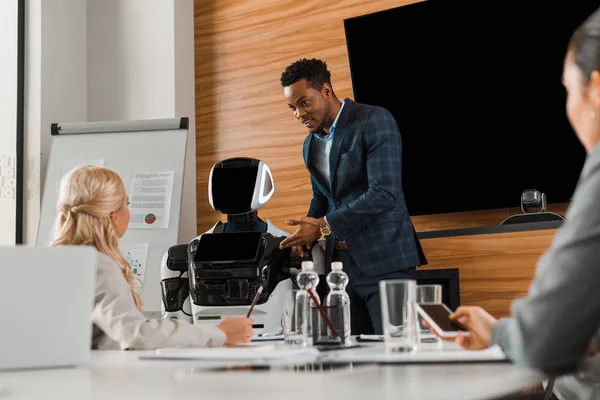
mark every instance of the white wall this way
{"type": "Point", "coordinates": [33, 107]}
{"type": "Point", "coordinates": [130, 59]}
{"type": "Point", "coordinates": [93, 60]}
{"type": "Point", "coordinates": [55, 87]}
{"type": "Point", "coordinates": [8, 120]}
{"type": "Point", "coordinates": [107, 60]}
{"type": "Point", "coordinates": [141, 65]}
{"type": "Point", "coordinates": [185, 105]}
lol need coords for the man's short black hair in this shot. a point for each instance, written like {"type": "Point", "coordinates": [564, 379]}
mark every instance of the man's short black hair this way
{"type": "Point", "coordinates": [314, 71]}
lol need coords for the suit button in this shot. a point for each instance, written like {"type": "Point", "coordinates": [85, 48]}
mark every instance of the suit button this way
{"type": "Point", "coordinates": [337, 203]}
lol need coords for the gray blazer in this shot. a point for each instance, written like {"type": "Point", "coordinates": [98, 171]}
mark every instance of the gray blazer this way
{"type": "Point", "coordinates": [551, 328]}
{"type": "Point", "coordinates": [118, 324]}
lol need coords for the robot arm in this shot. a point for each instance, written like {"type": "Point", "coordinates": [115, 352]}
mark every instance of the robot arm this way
{"type": "Point", "coordinates": [174, 282]}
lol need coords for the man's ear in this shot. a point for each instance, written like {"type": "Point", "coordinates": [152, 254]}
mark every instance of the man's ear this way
{"type": "Point", "coordinates": [327, 90]}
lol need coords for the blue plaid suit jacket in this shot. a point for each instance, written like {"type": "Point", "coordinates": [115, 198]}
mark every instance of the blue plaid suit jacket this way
{"type": "Point", "coordinates": [364, 201]}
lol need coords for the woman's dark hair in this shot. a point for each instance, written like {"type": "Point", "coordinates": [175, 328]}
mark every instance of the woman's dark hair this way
{"type": "Point", "coordinates": [585, 46]}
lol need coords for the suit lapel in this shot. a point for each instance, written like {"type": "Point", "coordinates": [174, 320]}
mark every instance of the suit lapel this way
{"type": "Point", "coordinates": [341, 130]}
{"type": "Point", "coordinates": [310, 165]}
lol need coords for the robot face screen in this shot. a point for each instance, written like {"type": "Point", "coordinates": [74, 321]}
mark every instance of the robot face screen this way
{"type": "Point", "coordinates": [233, 188]}
{"type": "Point", "coordinates": [228, 247]}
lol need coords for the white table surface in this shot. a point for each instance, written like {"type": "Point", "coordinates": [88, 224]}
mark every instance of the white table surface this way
{"type": "Point", "coordinates": [122, 375]}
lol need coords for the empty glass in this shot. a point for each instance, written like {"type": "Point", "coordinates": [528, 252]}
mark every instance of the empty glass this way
{"type": "Point", "coordinates": [428, 294]}
{"type": "Point", "coordinates": [398, 316]}
{"type": "Point", "coordinates": [295, 317]}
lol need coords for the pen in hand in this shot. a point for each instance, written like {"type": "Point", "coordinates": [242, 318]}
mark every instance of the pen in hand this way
{"type": "Point", "coordinates": [256, 297]}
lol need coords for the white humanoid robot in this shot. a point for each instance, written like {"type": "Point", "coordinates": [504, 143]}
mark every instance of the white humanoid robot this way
{"type": "Point", "coordinates": [218, 273]}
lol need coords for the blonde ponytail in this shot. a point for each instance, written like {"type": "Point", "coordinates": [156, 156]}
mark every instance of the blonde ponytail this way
{"type": "Point", "coordinates": [87, 197]}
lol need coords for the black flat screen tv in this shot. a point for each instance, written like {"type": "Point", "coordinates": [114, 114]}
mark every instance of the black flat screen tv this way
{"type": "Point", "coordinates": [475, 87]}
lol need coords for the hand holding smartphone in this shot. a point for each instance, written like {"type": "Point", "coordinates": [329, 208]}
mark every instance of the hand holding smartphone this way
{"type": "Point", "coordinates": [437, 316]}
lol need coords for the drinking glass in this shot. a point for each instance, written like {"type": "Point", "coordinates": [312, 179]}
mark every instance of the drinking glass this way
{"type": "Point", "coordinates": [431, 294]}
{"type": "Point", "coordinates": [398, 316]}
{"type": "Point", "coordinates": [295, 317]}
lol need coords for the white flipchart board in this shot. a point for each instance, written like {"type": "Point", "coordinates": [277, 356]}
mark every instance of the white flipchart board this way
{"type": "Point", "coordinates": [128, 148]}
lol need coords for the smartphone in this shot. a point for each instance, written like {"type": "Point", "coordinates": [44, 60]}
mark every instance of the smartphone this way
{"type": "Point", "coordinates": [438, 317]}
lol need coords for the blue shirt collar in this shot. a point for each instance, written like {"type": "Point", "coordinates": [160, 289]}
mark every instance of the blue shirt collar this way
{"type": "Point", "coordinates": [332, 128]}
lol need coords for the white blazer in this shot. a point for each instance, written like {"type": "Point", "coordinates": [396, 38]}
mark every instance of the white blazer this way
{"type": "Point", "coordinates": [118, 324]}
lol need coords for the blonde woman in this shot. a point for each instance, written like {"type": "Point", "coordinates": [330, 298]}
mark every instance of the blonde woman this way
{"type": "Point", "coordinates": [93, 210]}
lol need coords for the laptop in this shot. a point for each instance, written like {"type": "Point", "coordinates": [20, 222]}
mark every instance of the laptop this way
{"type": "Point", "coordinates": [46, 300]}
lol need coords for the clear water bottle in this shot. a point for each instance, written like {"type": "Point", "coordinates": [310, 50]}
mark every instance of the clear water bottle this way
{"type": "Point", "coordinates": [337, 280]}
{"type": "Point", "coordinates": [307, 279]}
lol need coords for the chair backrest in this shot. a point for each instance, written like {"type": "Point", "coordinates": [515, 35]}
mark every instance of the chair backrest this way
{"type": "Point", "coordinates": [46, 300]}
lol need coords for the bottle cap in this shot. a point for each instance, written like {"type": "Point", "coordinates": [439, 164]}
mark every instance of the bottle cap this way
{"type": "Point", "coordinates": [307, 265]}
{"type": "Point", "coordinates": [336, 266]}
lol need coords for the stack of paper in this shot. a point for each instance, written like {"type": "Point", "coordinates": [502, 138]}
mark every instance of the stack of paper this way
{"type": "Point", "coordinates": [381, 356]}
{"type": "Point", "coordinates": [249, 353]}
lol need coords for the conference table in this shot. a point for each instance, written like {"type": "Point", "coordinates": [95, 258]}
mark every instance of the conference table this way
{"type": "Point", "coordinates": [127, 375]}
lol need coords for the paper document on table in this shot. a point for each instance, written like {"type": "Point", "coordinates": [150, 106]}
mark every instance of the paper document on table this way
{"type": "Point", "coordinates": [381, 356]}
{"type": "Point", "coordinates": [371, 338]}
{"type": "Point", "coordinates": [262, 352]}
{"type": "Point", "coordinates": [150, 200]}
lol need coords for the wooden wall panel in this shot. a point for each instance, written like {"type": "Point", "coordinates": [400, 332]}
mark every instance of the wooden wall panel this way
{"type": "Point", "coordinates": [494, 269]}
{"type": "Point", "coordinates": [242, 47]}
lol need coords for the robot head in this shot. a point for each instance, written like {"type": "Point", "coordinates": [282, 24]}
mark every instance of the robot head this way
{"type": "Point", "coordinates": [239, 185]}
